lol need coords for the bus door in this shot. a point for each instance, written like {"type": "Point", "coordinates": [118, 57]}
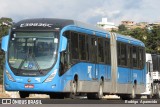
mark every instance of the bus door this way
{"type": "Point", "coordinates": [93, 56]}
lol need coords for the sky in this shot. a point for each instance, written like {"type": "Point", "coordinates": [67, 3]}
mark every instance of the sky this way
{"type": "Point", "coordinates": [88, 11]}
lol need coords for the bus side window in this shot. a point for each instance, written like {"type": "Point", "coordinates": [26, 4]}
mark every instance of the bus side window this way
{"type": "Point", "coordinates": [123, 54]}
{"type": "Point", "coordinates": [92, 49]}
{"type": "Point", "coordinates": [128, 56]}
{"type": "Point", "coordinates": [135, 57]}
{"type": "Point", "coordinates": [74, 45]}
{"type": "Point", "coordinates": [119, 52]}
{"type": "Point", "coordinates": [107, 52]}
{"type": "Point", "coordinates": [82, 47]}
{"type": "Point", "coordinates": [87, 48]}
{"type": "Point", "coordinates": [100, 50]}
{"type": "Point", "coordinates": [65, 55]}
{"type": "Point", "coordinates": [141, 58]}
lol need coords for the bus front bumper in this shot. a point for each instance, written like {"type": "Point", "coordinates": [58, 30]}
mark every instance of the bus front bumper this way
{"type": "Point", "coordinates": [43, 87]}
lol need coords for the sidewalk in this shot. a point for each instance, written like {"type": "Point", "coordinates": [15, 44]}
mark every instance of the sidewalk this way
{"type": "Point", "coordinates": [2, 93]}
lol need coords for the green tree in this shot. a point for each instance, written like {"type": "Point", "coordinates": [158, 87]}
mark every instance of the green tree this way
{"type": "Point", "coordinates": [5, 24]}
{"type": "Point", "coordinates": [151, 38]}
{"type": "Point", "coordinates": [122, 28]}
{"type": "Point", "coordinates": [153, 42]}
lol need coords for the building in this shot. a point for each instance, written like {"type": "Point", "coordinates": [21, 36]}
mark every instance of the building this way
{"type": "Point", "coordinates": [127, 23]}
{"type": "Point", "coordinates": [132, 25]}
{"type": "Point", "coordinates": [107, 25]}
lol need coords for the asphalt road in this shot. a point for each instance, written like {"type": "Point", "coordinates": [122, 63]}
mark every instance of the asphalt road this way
{"type": "Point", "coordinates": [84, 103]}
{"type": "Point", "coordinates": [76, 101]}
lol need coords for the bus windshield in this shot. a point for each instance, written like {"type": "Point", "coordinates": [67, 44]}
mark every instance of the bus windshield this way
{"type": "Point", "coordinates": [31, 51]}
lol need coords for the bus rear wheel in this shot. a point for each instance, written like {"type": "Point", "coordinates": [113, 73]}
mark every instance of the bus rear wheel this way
{"type": "Point", "coordinates": [23, 94]}
{"type": "Point", "coordinates": [98, 95]}
{"type": "Point", "coordinates": [56, 96]}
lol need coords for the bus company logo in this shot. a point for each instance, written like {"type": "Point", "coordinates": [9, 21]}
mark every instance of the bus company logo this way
{"type": "Point", "coordinates": [29, 80]}
{"type": "Point", "coordinates": [35, 25]}
{"type": "Point", "coordinates": [6, 101]}
{"type": "Point", "coordinates": [30, 65]}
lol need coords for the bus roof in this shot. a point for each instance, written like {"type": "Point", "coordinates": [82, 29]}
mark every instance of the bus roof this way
{"type": "Point", "coordinates": [52, 23]}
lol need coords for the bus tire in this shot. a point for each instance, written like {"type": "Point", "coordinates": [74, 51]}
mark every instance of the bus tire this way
{"type": "Point", "coordinates": [138, 96]}
{"type": "Point", "coordinates": [125, 97]}
{"type": "Point", "coordinates": [74, 88]}
{"type": "Point", "coordinates": [56, 96]}
{"type": "Point", "coordinates": [90, 96]}
{"type": "Point", "coordinates": [99, 94]}
{"type": "Point", "coordinates": [23, 94]}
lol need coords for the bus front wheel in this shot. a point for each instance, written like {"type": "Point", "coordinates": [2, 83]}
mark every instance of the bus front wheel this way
{"type": "Point", "coordinates": [74, 88]}
{"type": "Point", "coordinates": [23, 94]}
{"type": "Point", "coordinates": [56, 96]}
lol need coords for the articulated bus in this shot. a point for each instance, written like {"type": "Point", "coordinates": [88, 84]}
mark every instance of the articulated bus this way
{"type": "Point", "coordinates": [64, 58]}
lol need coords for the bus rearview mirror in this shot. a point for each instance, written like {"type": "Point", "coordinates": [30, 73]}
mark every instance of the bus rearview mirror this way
{"type": "Point", "coordinates": [63, 44]}
{"type": "Point", "coordinates": [4, 43]}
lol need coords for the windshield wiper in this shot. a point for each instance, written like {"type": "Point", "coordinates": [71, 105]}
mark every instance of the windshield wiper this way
{"type": "Point", "coordinates": [20, 66]}
{"type": "Point", "coordinates": [38, 67]}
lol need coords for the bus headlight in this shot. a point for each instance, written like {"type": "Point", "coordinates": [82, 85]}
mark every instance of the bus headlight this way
{"type": "Point", "coordinates": [50, 78]}
{"type": "Point", "coordinates": [9, 76]}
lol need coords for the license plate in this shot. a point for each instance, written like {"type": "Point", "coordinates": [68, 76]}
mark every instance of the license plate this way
{"type": "Point", "coordinates": [29, 86]}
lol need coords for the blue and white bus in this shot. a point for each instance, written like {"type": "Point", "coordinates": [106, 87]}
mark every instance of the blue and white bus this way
{"type": "Point", "coordinates": [63, 58]}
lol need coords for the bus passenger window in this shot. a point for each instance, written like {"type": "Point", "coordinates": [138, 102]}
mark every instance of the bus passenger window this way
{"type": "Point", "coordinates": [134, 57]}
{"type": "Point", "coordinates": [82, 47]}
{"type": "Point", "coordinates": [128, 56]}
{"type": "Point", "coordinates": [119, 52]}
{"type": "Point", "coordinates": [87, 48]}
{"type": "Point", "coordinates": [68, 49]}
{"type": "Point", "coordinates": [92, 49]}
{"type": "Point", "coordinates": [100, 50]}
{"type": "Point", "coordinates": [107, 52]}
{"type": "Point", "coordinates": [74, 45]}
{"type": "Point", "coordinates": [140, 58]}
{"type": "Point", "coordinates": [123, 54]}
